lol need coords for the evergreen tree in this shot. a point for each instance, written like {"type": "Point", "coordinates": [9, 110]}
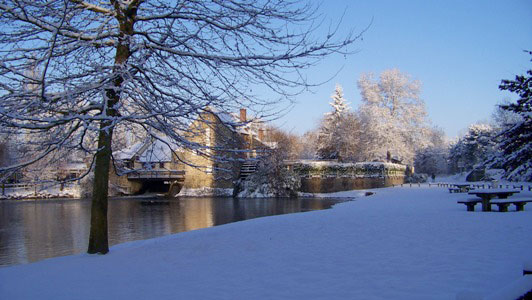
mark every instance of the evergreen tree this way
{"type": "Point", "coordinates": [516, 140]}
{"type": "Point", "coordinates": [473, 149]}
{"type": "Point", "coordinates": [333, 133]}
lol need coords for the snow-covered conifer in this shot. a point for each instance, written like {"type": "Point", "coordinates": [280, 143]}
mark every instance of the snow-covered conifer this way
{"type": "Point", "coordinates": [473, 149]}
{"type": "Point", "coordinates": [336, 130]}
{"type": "Point", "coordinates": [515, 140]}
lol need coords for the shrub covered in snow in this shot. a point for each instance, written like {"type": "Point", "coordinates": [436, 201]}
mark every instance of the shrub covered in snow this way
{"type": "Point", "coordinates": [416, 178]}
{"type": "Point", "coordinates": [272, 179]}
{"type": "Point", "coordinates": [205, 192]}
{"type": "Point", "coordinates": [360, 169]}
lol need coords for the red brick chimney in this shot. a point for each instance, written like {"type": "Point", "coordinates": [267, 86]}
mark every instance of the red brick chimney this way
{"type": "Point", "coordinates": [261, 134]}
{"type": "Point", "coordinates": [243, 117]}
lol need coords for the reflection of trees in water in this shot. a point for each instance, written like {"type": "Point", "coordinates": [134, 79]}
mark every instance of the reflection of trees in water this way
{"type": "Point", "coordinates": [60, 230]}
{"type": "Point", "coordinates": [130, 219]}
{"type": "Point", "coordinates": [31, 231]}
{"type": "Point", "coordinates": [11, 234]}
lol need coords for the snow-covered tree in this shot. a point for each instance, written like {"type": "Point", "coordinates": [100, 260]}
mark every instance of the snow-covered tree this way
{"type": "Point", "coordinates": [503, 119]}
{"type": "Point", "coordinates": [309, 142]}
{"type": "Point", "coordinates": [472, 150]}
{"type": "Point", "coordinates": [393, 117]}
{"type": "Point", "coordinates": [515, 139]}
{"type": "Point", "coordinates": [433, 158]}
{"type": "Point", "coordinates": [337, 130]}
{"type": "Point", "coordinates": [71, 71]}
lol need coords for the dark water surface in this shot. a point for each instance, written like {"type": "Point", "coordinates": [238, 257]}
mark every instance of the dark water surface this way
{"type": "Point", "coordinates": [35, 230]}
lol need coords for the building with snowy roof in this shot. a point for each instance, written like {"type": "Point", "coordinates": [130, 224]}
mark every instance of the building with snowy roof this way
{"type": "Point", "coordinates": [217, 145]}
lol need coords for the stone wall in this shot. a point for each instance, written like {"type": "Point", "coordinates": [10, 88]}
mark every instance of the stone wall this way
{"type": "Point", "coordinates": [202, 169]}
{"type": "Point", "coordinates": [338, 184]}
{"type": "Point", "coordinates": [328, 177]}
{"type": "Point", "coordinates": [121, 185]}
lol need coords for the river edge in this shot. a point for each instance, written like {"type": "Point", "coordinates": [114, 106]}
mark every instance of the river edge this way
{"type": "Point", "coordinates": [63, 224]}
{"type": "Point", "coordinates": [165, 197]}
{"type": "Point", "coordinates": [354, 251]}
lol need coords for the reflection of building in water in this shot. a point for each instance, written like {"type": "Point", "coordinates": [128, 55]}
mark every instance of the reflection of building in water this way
{"type": "Point", "coordinates": [197, 213]}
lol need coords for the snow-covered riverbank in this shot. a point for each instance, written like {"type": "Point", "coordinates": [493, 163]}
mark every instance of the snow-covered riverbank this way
{"type": "Point", "coordinates": [400, 243]}
{"type": "Point", "coordinates": [40, 191]}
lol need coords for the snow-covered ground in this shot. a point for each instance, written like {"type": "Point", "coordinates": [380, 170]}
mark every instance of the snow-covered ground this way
{"type": "Point", "coordinates": [41, 191]}
{"type": "Point", "coordinates": [400, 243]}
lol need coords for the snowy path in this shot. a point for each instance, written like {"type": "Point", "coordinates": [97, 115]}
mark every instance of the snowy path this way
{"type": "Point", "coordinates": [401, 243]}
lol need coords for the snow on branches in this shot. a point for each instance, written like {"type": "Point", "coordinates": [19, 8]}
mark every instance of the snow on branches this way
{"type": "Point", "coordinates": [515, 139]}
{"type": "Point", "coordinates": [73, 69]}
{"type": "Point", "coordinates": [337, 129]}
{"type": "Point", "coordinates": [393, 117]}
{"type": "Point", "coordinates": [473, 149]}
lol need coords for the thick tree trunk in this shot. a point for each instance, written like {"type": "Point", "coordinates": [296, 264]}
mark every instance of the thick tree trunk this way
{"type": "Point", "coordinates": [98, 242]}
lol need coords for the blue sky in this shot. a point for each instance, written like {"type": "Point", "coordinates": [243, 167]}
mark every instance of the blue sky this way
{"type": "Point", "coordinates": [459, 50]}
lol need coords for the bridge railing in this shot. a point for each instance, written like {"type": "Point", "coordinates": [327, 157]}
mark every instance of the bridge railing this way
{"type": "Point", "coordinates": [156, 174]}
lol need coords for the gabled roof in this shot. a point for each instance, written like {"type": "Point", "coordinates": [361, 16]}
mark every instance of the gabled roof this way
{"type": "Point", "coordinates": [151, 150]}
{"type": "Point", "coordinates": [232, 121]}
{"type": "Point", "coordinates": [157, 151]}
{"type": "Point", "coordinates": [129, 152]}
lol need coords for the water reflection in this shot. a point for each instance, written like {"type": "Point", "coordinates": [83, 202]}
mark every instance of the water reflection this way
{"type": "Point", "coordinates": [35, 230]}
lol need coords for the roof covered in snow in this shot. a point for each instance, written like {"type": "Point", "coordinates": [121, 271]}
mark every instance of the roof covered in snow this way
{"type": "Point", "coordinates": [157, 151]}
{"type": "Point", "coordinates": [128, 152]}
{"type": "Point", "coordinates": [154, 150]}
{"type": "Point", "coordinates": [232, 120]}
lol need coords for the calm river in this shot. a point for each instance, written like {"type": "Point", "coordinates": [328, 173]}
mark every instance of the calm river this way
{"type": "Point", "coordinates": [35, 230]}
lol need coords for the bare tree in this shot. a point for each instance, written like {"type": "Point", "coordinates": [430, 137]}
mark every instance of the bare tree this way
{"type": "Point", "coordinates": [287, 144]}
{"type": "Point", "coordinates": [72, 70]}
